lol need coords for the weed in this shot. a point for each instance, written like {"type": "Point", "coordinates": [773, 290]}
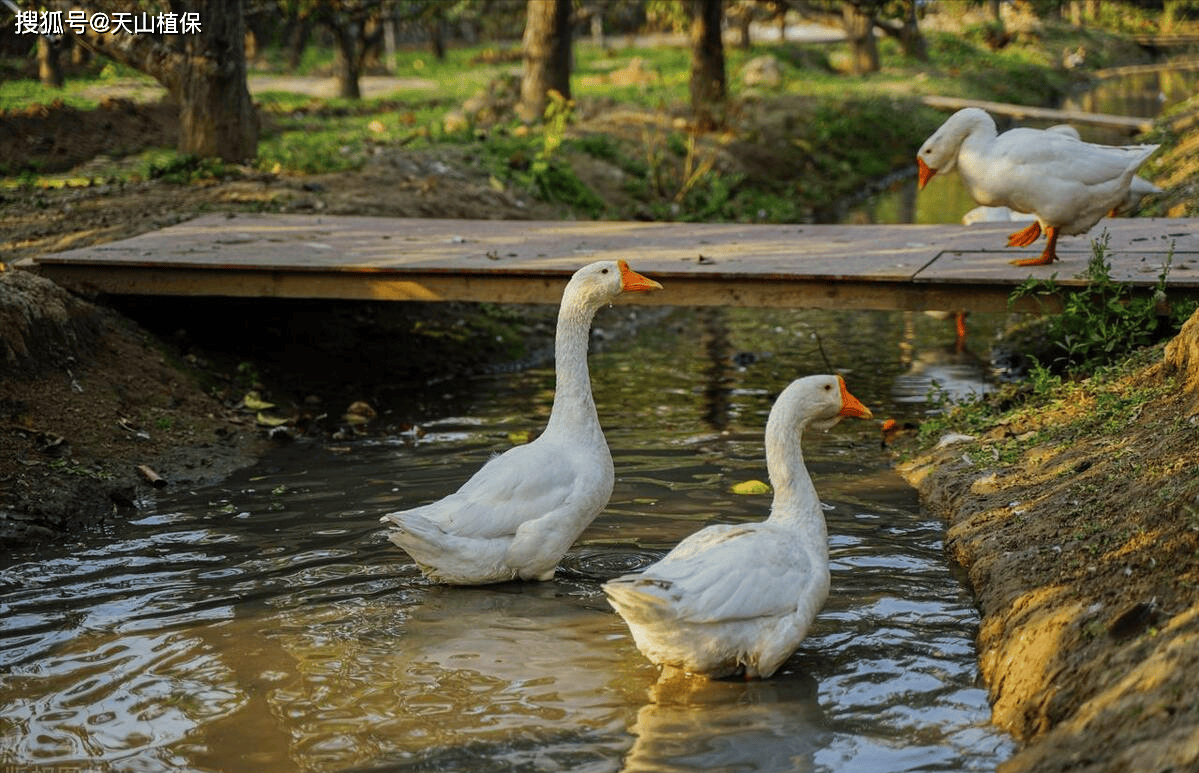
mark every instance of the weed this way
{"type": "Point", "coordinates": [74, 468]}
{"type": "Point", "coordinates": [186, 169]}
{"type": "Point", "coordinates": [1104, 320]}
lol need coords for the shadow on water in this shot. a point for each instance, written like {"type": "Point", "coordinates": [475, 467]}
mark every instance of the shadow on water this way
{"type": "Point", "coordinates": [266, 622]}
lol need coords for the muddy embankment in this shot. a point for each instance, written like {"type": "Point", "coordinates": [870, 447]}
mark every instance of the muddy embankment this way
{"type": "Point", "coordinates": [86, 399]}
{"type": "Point", "coordinates": [1078, 522]}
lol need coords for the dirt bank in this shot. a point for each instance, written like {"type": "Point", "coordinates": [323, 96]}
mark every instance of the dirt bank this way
{"type": "Point", "coordinates": [1077, 519]}
{"type": "Point", "coordinates": [86, 397]}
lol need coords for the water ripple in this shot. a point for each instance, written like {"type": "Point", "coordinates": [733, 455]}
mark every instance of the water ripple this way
{"type": "Point", "coordinates": [600, 563]}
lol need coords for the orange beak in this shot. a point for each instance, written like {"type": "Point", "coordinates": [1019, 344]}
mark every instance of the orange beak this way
{"type": "Point", "coordinates": [926, 173]}
{"type": "Point", "coordinates": [851, 406]}
{"type": "Point", "coordinates": [632, 282]}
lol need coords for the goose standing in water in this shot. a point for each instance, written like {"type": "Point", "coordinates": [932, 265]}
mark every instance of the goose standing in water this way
{"type": "Point", "coordinates": [516, 517]}
{"type": "Point", "coordinates": [741, 598]}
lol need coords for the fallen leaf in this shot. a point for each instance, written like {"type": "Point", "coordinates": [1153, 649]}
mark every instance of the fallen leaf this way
{"type": "Point", "coordinates": [751, 487]}
{"type": "Point", "coordinates": [269, 421]}
{"type": "Point", "coordinates": [254, 402]}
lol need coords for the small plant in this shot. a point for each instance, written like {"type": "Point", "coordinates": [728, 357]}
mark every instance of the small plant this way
{"type": "Point", "coordinates": [549, 178]}
{"type": "Point", "coordinates": [1104, 320]}
{"type": "Point", "coordinates": [186, 169]}
{"type": "Point", "coordinates": [1043, 379]}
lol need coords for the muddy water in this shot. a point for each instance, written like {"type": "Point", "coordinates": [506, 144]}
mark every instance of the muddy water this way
{"type": "Point", "coordinates": [265, 624]}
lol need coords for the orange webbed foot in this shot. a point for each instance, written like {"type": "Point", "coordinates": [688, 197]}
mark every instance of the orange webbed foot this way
{"type": "Point", "coordinates": [1047, 256]}
{"type": "Point", "coordinates": [1026, 236]}
{"type": "Point", "coordinates": [1040, 260]}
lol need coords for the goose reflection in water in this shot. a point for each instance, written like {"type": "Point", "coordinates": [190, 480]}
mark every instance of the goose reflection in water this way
{"type": "Point", "coordinates": [510, 673]}
{"type": "Point", "coordinates": [951, 369]}
{"type": "Point", "coordinates": [729, 725]}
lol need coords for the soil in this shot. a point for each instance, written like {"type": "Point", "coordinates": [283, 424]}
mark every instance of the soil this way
{"type": "Point", "coordinates": [86, 398]}
{"type": "Point", "coordinates": [1078, 524]}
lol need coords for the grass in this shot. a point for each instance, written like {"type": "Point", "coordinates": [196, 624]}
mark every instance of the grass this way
{"type": "Point", "coordinates": [1104, 321]}
{"type": "Point", "coordinates": [842, 131]}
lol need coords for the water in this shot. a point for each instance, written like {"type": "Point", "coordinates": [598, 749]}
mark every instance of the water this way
{"type": "Point", "coordinates": [265, 623]}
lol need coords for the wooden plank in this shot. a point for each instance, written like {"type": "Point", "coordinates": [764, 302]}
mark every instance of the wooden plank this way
{"type": "Point", "coordinates": [682, 290]}
{"type": "Point", "coordinates": [1176, 65]}
{"type": "Point", "coordinates": [366, 244]}
{"type": "Point", "coordinates": [1166, 41]}
{"type": "Point", "coordinates": [1127, 124]}
{"type": "Point", "coordinates": [815, 266]}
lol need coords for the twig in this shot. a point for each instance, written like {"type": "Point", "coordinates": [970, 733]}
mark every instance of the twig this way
{"type": "Point", "coordinates": [151, 477]}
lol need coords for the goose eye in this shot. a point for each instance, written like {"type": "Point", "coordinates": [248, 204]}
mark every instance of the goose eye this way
{"type": "Point", "coordinates": [827, 387]}
{"type": "Point", "coordinates": [603, 271]}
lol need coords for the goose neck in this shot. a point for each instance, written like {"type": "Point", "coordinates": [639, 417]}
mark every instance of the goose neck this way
{"type": "Point", "coordinates": [794, 494]}
{"type": "Point", "coordinates": [574, 407]}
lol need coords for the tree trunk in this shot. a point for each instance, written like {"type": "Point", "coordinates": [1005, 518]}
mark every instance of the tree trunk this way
{"type": "Point", "coordinates": [389, 43]}
{"type": "Point", "coordinates": [859, 30]}
{"type": "Point", "coordinates": [80, 54]}
{"type": "Point", "coordinates": [49, 61]}
{"type": "Point", "coordinates": [437, 35]}
{"type": "Point", "coordinates": [707, 63]}
{"type": "Point", "coordinates": [297, 42]}
{"type": "Point", "coordinates": [345, 62]}
{"type": "Point", "coordinates": [216, 115]}
{"type": "Point", "coordinates": [204, 72]}
{"type": "Point", "coordinates": [995, 10]}
{"type": "Point", "coordinates": [546, 47]}
{"type": "Point", "coordinates": [910, 38]}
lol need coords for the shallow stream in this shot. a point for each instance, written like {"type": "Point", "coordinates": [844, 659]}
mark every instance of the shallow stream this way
{"type": "Point", "coordinates": [266, 624]}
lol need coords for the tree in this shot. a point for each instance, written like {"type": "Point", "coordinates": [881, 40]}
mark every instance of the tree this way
{"type": "Point", "coordinates": [708, 83]}
{"type": "Point", "coordinates": [546, 45]}
{"type": "Point", "coordinates": [49, 60]}
{"type": "Point", "coordinates": [203, 70]}
{"type": "Point", "coordinates": [905, 28]}
{"type": "Point", "coordinates": [859, 19]}
{"type": "Point", "coordinates": [357, 28]}
{"type": "Point", "coordinates": [858, 23]}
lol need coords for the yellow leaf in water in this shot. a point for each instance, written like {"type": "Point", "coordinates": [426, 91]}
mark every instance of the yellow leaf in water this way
{"type": "Point", "coordinates": [254, 402]}
{"type": "Point", "coordinates": [751, 487]}
{"type": "Point", "coordinates": [269, 421]}
{"type": "Point", "coordinates": [519, 438]}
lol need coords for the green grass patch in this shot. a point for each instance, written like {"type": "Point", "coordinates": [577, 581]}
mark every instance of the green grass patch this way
{"type": "Point", "coordinates": [1104, 321]}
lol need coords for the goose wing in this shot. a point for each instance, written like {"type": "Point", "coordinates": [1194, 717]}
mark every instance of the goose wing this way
{"type": "Point", "coordinates": [522, 484]}
{"type": "Point", "coordinates": [725, 573]}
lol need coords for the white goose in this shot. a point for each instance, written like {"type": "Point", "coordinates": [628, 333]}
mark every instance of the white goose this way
{"type": "Point", "coordinates": [1137, 190]}
{"type": "Point", "coordinates": [1069, 185]}
{"type": "Point", "coordinates": [741, 598]}
{"type": "Point", "coordinates": [516, 517]}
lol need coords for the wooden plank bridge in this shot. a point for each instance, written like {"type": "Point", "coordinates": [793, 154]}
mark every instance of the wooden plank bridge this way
{"type": "Point", "coordinates": [911, 267]}
{"type": "Point", "coordinates": [1130, 125]}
